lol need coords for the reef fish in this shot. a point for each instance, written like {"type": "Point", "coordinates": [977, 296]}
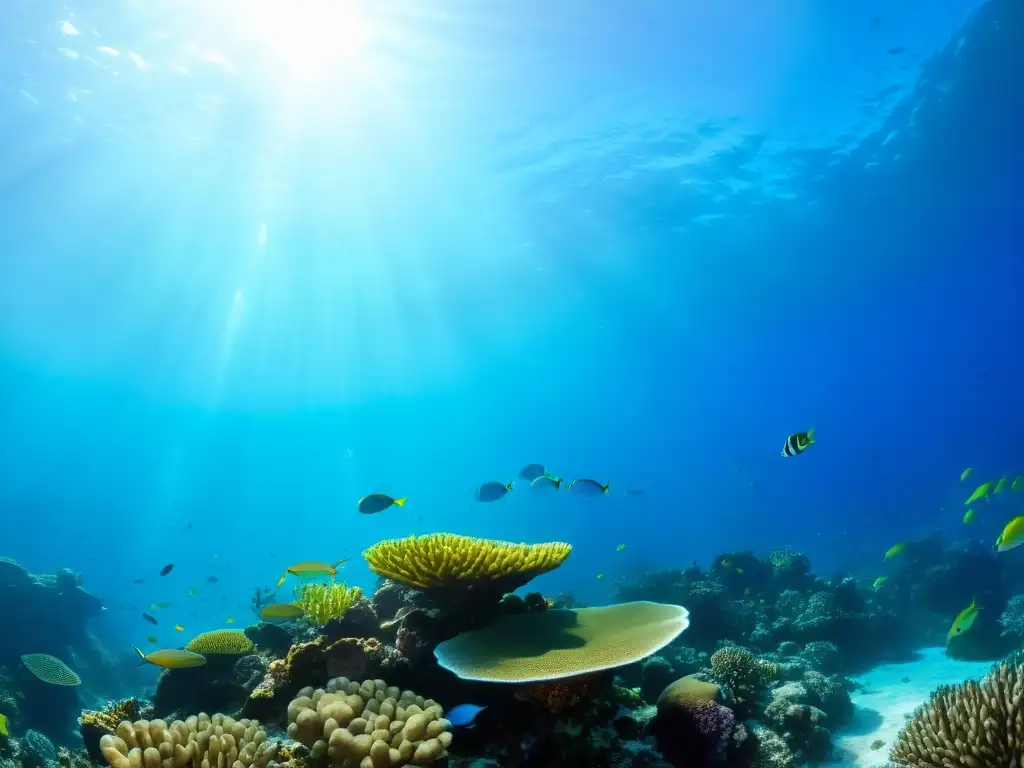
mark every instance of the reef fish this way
{"type": "Point", "coordinates": [798, 442]}
{"type": "Point", "coordinates": [546, 483]}
{"type": "Point", "coordinates": [979, 493]}
{"type": "Point", "coordinates": [212, 579]}
{"type": "Point", "coordinates": [311, 570]}
{"type": "Point", "coordinates": [378, 502]}
{"type": "Point", "coordinates": [879, 582]}
{"type": "Point", "coordinates": [531, 472]}
{"type": "Point", "coordinates": [588, 488]}
{"type": "Point", "coordinates": [151, 639]}
{"type": "Point", "coordinates": [969, 516]}
{"type": "Point", "coordinates": [965, 474]}
{"type": "Point", "coordinates": [1018, 484]}
{"type": "Point", "coordinates": [463, 715]}
{"type": "Point", "coordinates": [963, 621]}
{"type": "Point", "coordinates": [1001, 485]}
{"type": "Point", "coordinates": [1012, 535]}
{"type": "Point", "coordinates": [895, 550]}
{"type": "Point", "coordinates": [172, 658]}
{"type": "Point", "coordinates": [493, 491]}
{"type": "Point", "coordinates": [167, 569]}
{"type": "Point", "coordinates": [3, 727]}
{"type": "Point", "coordinates": [620, 548]}
{"type": "Point", "coordinates": [150, 619]}
{"type": "Point", "coordinates": [278, 613]}
{"type": "Point", "coordinates": [179, 628]}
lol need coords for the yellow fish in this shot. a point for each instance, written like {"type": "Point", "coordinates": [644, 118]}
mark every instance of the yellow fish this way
{"type": "Point", "coordinates": [311, 570]}
{"type": "Point", "coordinates": [979, 493]}
{"type": "Point", "coordinates": [3, 726]}
{"type": "Point", "coordinates": [963, 621]}
{"type": "Point", "coordinates": [1001, 485]}
{"type": "Point", "coordinates": [1012, 535]}
{"type": "Point", "coordinates": [229, 620]}
{"type": "Point", "coordinates": [277, 613]}
{"type": "Point", "coordinates": [620, 548]}
{"type": "Point", "coordinates": [172, 658]}
{"type": "Point", "coordinates": [969, 516]}
{"type": "Point", "coordinates": [894, 550]}
{"type": "Point", "coordinates": [1018, 484]}
{"type": "Point", "coordinates": [877, 585]}
{"type": "Point", "coordinates": [179, 627]}
{"type": "Point", "coordinates": [599, 576]}
{"type": "Point", "coordinates": [965, 474]}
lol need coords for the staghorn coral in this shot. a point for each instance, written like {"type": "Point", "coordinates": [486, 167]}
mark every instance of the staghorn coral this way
{"type": "Point", "coordinates": [50, 669]}
{"type": "Point", "coordinates": [978, 725]}
{"type": "Point", "coordinates": [369, 725]}
{"type": "Point", "coordinates": [200, 741]}
{"type": "Point", "coordinates": [322, 602]}
{"type": "Point", "coordinates": [227, 642]}
{"type": "Point", "coordinates": [445, 560]}
{"type": "Point", "coordinates": [741, 670]}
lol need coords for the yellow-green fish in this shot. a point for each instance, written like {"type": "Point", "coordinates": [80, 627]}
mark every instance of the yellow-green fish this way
{"type": "Point", "coordinates": [158, 606]}
{"type": "Point", "coordinates": [3, 726]}
{"type": "Point", "coordinates": [969, 516]}
{"type": "Point", "coordinates": [191, 591]}
{"type": "Point", "coordinates": [965, 474]}
{"type": "Point", "coordinates": [151, 639]}
{"type": "Point", "coordinates": [877, 585]}
{"type": "Point", "coordinates": [278, 613]}
{"type": "Point", "coordinates": [963, 621]}
{"type": "Point", "coordinates": [1001, 485]}
{"type": "Point", "coordinates": [179, 627]}
{"type": "Point", "coordinates": [172, 658]}
{"type": "Point", "coordinates": [599, 576]}
{"type": "Point", "coordinates": [1018, 484]}
{"type": "Point", "coordinates": [311, 570]}
{"type": "Point", "coordinates": [1012, 535]}
{"type": "Point", "coordinates": [620, 548]}
{"type": "Point", "coordinates": [894, 550]}
{"type": "Point", "coordinates": [979, 493]}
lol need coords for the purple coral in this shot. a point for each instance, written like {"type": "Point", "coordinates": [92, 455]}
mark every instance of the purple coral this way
{"type": "Point", "coordinates": [714, 721]}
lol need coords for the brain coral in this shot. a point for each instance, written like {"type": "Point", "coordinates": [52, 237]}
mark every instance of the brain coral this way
{"type": "Point", "coordinates": [441, 560]}
{"type": "Point", "coordinates": [231, 642]}
{"type": "Point", "coordinates": [50, 669]}
{"type": "Point", "coordinates": [978, 725]}
{"type": "Point", "coordinates": [368, 725]}
{"type": "Point", "coordinates": [548, 645]}
{"type": "Point", "coordinates": [200, 741]}
{"type": "Point", "coordinates": [740, 669]}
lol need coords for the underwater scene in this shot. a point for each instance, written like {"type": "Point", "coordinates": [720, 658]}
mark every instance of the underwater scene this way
{"type": "Point", "coordinates": [511, 383]}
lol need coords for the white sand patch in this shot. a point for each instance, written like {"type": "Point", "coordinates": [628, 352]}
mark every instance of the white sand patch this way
{"type": "Point", "coordinates": [882, 707]}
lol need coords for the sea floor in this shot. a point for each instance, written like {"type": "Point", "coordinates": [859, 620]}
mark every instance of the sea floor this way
{"type": "Point", "coordinates": [888, 697]}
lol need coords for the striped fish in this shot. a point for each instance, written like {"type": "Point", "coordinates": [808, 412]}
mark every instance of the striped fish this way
{"type": "Point", "coordinates": [797, 442]}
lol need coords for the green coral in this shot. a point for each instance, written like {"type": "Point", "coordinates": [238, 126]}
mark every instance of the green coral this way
{"type": "Point", "coordinates": [322, 602]}
{"type": "Point", "coordinates": [741, 670]}
{"type": "Point", "coordinates": [229, 642]}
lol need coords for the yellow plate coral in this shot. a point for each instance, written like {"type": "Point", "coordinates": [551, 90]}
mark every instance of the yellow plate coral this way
{"type": "Point", "coordinates": [441, 560]}
{"type": "Point", "coordinates": [549, 645]}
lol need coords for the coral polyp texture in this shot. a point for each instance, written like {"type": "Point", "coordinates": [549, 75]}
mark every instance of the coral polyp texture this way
{"type": "Point", "coordinates": [368, 725]}
{"type": "Point", "coordinates": [226, 642]}
{"type": "Point", "coordinates": [978, 725]}
{"type": "Point", "coordinates": [441, 560]}
{"type": "Point", "coordinates": [322, 602]}
{"type": "Point", "coordinates": [50, 669]}
{"type": "Point", "coordinates": [740, 669]}
{"type": "Point", "coordinates": [549, 645]}
{"type": "Point", "coordinates": [200, 741]}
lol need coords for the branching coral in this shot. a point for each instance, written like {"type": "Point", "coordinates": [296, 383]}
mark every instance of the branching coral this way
{"type": "Point", "coordinates": [740, 669]}
{"type": "Point", "coordinates": [322, 602]}
{"type": "Point", "coordinates": [442, 560]}
{"type": "Point", "coordinates": [200, 741]}
{"type": "Point", "coordinates": [979, 725]}
{"type": "Point", "coordinates": [369, 725]}
{"type": "Point", "coordinates": [557, 696]}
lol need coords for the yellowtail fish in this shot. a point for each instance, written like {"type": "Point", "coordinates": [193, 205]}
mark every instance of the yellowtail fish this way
{"type": "Point", "coordinates": [963, 621]}
{"type": "Point", "coordinates": [969, 516]}
{"type": "Point", "coordinates": [3, 726]}
{"type": "Point", "coordinates": [311, 570]}
{"type": "Point", "coordinates": [378, 502]}
{"type": "Point", "coordinates": [1018, 484]}
{"type": "Point", "coordinates": [620, 548]}
{"type": "Point", "coordinates": [1012, 535]}
{"type": "Point", "coordinates": [965, 474]}
{"type": "Point", "coordinates": [979, 493]}
{"type": "Point", "coordinates": [179, 628]}
{"type": "Point", "coordinates": [1001, 485]}
{"type": "Point", "coordinates": [546, 483]}
{"type": "Point", "coordinates": [279, 613]}
{"type": "Point", "coordinates": [172, 658]}
{"type": "Point", "coordinates": [798, 442]}
{"type": "Point", "coordinates": [587, 487]}
{"type": "Point", "coordinates": [229, 620]}
{"type": "Point", "coordinates": [895, 550]}
{"type": "Point", "coordinates": [877, 585]}
{"type": "Point", "coordinates": [493, 490]}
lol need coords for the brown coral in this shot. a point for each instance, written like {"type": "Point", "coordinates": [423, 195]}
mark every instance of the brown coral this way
{"type": "Point", "coordinates": [94, 725]}
{"type": "Point", "coordinates": [741, 670]}
{"type": "Point", "coordinates": [975, 725]}
{"type": "Point", "coordinates": [557, 696]}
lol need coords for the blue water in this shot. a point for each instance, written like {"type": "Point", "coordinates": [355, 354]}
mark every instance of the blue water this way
{"type": "Point", "coordinates": [254, 266]}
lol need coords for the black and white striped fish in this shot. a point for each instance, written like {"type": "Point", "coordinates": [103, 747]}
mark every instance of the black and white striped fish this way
{"type": "Point", "coordinates": [797, 442]}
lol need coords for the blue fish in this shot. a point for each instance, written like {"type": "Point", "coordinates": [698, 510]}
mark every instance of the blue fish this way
{"type": "Point", "coordinates": [492, 491]}
{"type": "Point", "coordinates": [464, 715]}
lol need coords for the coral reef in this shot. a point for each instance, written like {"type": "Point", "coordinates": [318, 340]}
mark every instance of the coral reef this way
{"type": "Point", "coordinates": [95, 724]}
{"type": "Point", "coordinates": [322, 602]}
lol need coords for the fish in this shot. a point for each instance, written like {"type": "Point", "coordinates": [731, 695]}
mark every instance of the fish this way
{"type": "Point", "coordinates": [311, 569]}
{"type": "Point", "coordinates": [1001, 485]}
{"type": "Point", "coordinates": [896, 51]}
{"type": "Point", "coordinates": [588, 487]}
{"type": "Point", "coordinates": [1018, 484]}
{"type": "Point", "coordinates": [894, 550]}
{"type": "Point", "coordinates": [151, 639]}
{"type": "Point", "coordinates": [229, 620]}
{"type": "Point", "coordinates": [493, 491]}
{"type": "Point", "coordinates": [546, 483]}
{"type": "Point", "coordinates": [3, 726]}
{"type": "Point", "coordinates": [171, 658]}
{"type": "Point", "coordinates": [150, 619]}
{"type": "Point", "coordinates": [877, 584]}
{"type": "Point", "coordinates": [279, 613]}
{"type": "Point", "coordinates": [798, 442]}
{"type": "Point", "coordinates": [965, 474]}
{"type": "Point", "coordinates": [531, 472]}
{"type": "Point", "coordinates": [167, 569]}
{"type": "Point", "coordinates": [620, 548]}
{"type": "Point", "coordinates": [599, 576]}
{"type": "Point", "coordinates": [640, 492]}
{"type": "Point", "coordinates": [1012, 535]}
{"type": "Point", "coordinates": [179, 628]}
{"type": "Point", "coordinates": [739, 571]}
{"type": "Point", "coordinates": [138, 581]}
{"type": "Point", "coordinates": [979, 493]}
{"type": "Point", "coordinates": [191, 591]}
{"type": "Point", "coordinates": [212, 579]}
{"type": "Point", "coordinates": [969, 516]}
{"type": "Point", "coordinates": [963, 621]}
{"type": "Point", "coordinates": [378, 502]}
{"type": "Point", "coordinates": [463, 715]}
